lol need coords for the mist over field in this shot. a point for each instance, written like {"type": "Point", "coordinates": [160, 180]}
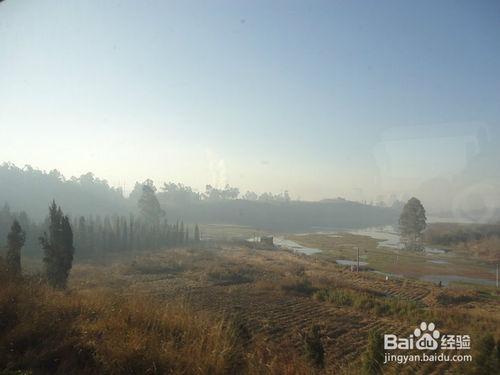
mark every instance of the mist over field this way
{"type": "Point", "coordinates": [29, 190]}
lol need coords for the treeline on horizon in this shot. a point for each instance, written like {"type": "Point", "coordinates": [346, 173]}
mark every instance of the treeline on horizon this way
{"type": "Point", "coordinates": [97, 236]}
{"type": "Point", "coordinates": [29, 189]}
{"type": "Point", "coordinates": [454, 233]}
{"type": "Point", "coordinates": [14, 178]}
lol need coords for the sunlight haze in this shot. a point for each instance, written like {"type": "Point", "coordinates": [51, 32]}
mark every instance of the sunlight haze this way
{"type": "Point", "coordinates": [321, 99]}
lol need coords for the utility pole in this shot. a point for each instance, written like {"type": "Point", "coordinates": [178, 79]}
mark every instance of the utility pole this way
{"type": "Point", "coordinates": [358, 259]}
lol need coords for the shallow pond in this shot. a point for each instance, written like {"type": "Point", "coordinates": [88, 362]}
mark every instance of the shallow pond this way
{"type": "Point", "coordinates": [389, 238]}
{"type": "Point", "coordinates": [438, 261]}
{"type": "Point", "coordinates": [292, 245]}
{"type": "Point", "coordinates": [345, 262]}
{"type": "Point", "coordinates": [284, 243]}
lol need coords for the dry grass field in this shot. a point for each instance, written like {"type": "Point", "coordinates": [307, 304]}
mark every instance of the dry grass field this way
{"type": "Point", "coordinates": [399, 262]}
{"type": "Point", "coordinates": [227, 308]}
{"type": "Point", "coordinates": [277, 295]}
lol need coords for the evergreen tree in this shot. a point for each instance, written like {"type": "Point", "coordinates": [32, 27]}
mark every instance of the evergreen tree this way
{"type": "Point", "coordinates": [176, 233]}
{"type": "Point", "coordinates": [58, 247]}
{"type": "Point", "coordinates": [196, 233]}
{"type": "Point", "coordinates": [125, 238]}
{"type": "Point", "coordinates": [131, 233]}
{"type": "Point", "coordinates": [81, 235]}
{"type": "Point", "coordinates": [374, 355]}
{"type": "Point", "coordinates": [149, 206]}
{"type": "Point", "coordinates": [15, 241]}
{"type": "Point", "coordinates": [181, 233]}
{"type": "Point", "coordinates": [412, 223]}
{"type": "Point", "coordinates": [107, 233]}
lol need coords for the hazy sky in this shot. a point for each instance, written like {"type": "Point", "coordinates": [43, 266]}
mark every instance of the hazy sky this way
{"type": "Point", "coordinates": [323, 98]}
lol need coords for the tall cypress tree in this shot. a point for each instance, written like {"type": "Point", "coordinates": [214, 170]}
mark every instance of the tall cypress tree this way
{"type": "Point", "coordinates": [196, 233]}
{"type": "Point", "coordinates": [58, 247]}
{"type": "Point", "coordinates": [181, 233]}
{"type": "Point", "coordinates": [15, 241]}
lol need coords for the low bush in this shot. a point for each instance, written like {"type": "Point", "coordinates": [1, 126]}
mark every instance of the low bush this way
{"type": "Point", "coordinates": [364, 301]}
{"type": "Point", "coordinates": [154, 268]}
{"type": "Point", "coordinates": [455, 299]}
{"type": "Point", "coordinates": [313, 347]}
{"type": "Point", "coordinates": [301, 286]}
{"type": "Point", "coordinates": [231, 275]}
{"type": "Point", "coordinates": [339, 297]}
{"type": "Point", "coordinates": [396, 306]}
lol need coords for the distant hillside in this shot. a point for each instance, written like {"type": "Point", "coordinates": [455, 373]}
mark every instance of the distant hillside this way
{"type": "Point", "coordinates": [31, 190]}
{"type": "Point", "coordinates": [285, 216]}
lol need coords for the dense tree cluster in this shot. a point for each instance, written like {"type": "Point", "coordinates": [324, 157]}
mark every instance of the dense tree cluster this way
{"type": "Point", "coordinates": [30, 189]}
{"type": "Point", "coordinates": [97, 235]}
{"type": "Point", "coordinates": [94, 235]}
{"type": "Point", "coordinates": [270, 197]}
{"type": "Point", "coordinates": [214, 194]}
{"type": "Point", "coordinates": [453, 233]}
{"type": "Point", "coordinates": [178, 193]}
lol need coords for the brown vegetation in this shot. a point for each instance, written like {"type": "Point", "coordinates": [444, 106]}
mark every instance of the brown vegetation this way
{"type": "Point", "coordinates": [223, 310]}
{"type": "Point", "coordinates": [45, 331]}
{"type": "Point", "coordinates": [480, 240]}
